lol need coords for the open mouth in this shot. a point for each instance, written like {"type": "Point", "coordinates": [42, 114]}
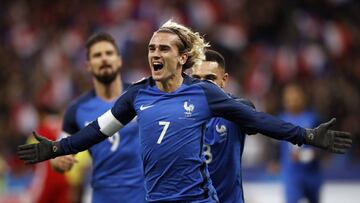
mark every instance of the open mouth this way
{"type": "Point", "coordinates": [158, 66]}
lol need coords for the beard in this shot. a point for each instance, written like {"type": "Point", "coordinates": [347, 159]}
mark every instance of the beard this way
{"type": "Point", "coordinates": [107, 78]}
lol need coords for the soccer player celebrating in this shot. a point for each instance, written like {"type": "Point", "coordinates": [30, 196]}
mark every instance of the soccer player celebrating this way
{"type": "Point", "coordinates": [117, 174]}
{"type": "Point", "coordinates": [172, 110]}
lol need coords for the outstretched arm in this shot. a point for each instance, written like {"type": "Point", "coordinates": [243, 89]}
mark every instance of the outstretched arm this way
{"type": "Point", "coordinates": [106, 125]}
{"type": "Point", "coordinates": [100, 129]}
{"type": "Point", "coordinates": [253, 121]}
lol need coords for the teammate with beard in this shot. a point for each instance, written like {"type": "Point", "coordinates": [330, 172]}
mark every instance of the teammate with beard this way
{"type": "Point", "coordinates": [172, 110]}
{"type": "Point", "coordinates": [117, 170]}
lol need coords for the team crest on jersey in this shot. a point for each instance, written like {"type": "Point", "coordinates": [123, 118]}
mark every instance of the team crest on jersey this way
{"type": "Point", "coordinates": [221, 130]}
{"type": "Point", "coordinates": [189, 108]}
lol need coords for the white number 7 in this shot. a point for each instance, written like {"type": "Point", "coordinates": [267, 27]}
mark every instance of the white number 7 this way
{"type": "Point", "coordinates": [166, 126]}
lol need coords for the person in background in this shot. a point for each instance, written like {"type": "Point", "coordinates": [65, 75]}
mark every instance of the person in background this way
{"type": "Point", "coordinates": [300, 167]}
{"type": "Point", "coordinates": [117, 174]}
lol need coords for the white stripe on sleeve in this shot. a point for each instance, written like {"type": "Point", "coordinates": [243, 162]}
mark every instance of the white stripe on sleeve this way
{"type": "Point", "coordinates": [109, 125]}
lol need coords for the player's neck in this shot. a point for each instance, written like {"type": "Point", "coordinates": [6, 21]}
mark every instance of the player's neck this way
{"type": "Point", "coordinates": [171, 84]}
{"type": "Point", "coordinates": [109, 91]}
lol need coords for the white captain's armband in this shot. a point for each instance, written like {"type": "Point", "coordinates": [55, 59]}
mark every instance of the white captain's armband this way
{"type": "Point", "coordinates": [108, 124]}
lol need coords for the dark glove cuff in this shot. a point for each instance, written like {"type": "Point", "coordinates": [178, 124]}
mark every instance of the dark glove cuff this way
{"type": "Point", "coordinates": [309, 136]}
{"type": "Point", "coordinates": [56, 149]}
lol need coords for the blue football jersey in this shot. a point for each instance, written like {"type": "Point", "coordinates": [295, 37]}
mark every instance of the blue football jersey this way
{"type": "Point", "coordinates": [301, 171]}
{"type": "Point", "coordinates": [117, 174]}
{"type": "Point", "coordinates": [172, 127]}
{"type": "Point", "coordinates": [171, 133]}
{"type": "Point", "coordinates": [224, 144]}
{"type": "Point", "coordinates": [305, 159]}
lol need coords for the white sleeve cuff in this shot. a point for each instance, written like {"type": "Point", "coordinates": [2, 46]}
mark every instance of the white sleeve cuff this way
{"type": "Point", "coordinates": [108, 124]}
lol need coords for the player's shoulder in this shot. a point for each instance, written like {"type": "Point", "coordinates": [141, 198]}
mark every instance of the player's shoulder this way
{"type": "Point", "coordinates": [243, 100]}
{"type": "Point", "coordinates": [131, 91]}
{"type": "Point", "coordinates": [206, 85]}
{"type": "Point", "coordinates": [143, 81]}
{"type": "Point", "coordinates": [140, 84]}
{"type": "Point", "coordinates": [195, 81]}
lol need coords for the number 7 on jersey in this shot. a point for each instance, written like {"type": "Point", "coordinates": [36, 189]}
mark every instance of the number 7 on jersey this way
{"type": "Point", "coordinates": [166, 126]}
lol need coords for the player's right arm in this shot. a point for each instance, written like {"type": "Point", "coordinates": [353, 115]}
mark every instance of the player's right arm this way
{"type": "Point", "coordinates": [100, 129]}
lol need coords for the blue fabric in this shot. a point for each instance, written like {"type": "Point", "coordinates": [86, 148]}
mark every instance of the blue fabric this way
{"type": "Point", "coordinates": [172, 126]}
{"type": "Point", "coordinates": [301, 170]}
{"type": "Point", "coordinates": [117, 174]}
{"type": "Point", "coordinates": [224, 146]}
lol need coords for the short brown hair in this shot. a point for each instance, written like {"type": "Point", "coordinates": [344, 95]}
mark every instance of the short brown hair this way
{"type": "Point", "coordinates": [98, 37]}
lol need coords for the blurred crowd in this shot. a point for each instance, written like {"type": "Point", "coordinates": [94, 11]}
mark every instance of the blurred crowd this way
{"type": "Point", "coordinates": [266, 44]}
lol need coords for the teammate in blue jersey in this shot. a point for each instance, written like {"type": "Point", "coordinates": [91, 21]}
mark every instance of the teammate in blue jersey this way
{"type": "Point", "coordinates": [301, 170]}
{"type": "Point", "coordinates": [224, 140]}
{"type": "Point", "coordinates": [172, 110]}
{"type": "Point", "coordinates": [117, 174]}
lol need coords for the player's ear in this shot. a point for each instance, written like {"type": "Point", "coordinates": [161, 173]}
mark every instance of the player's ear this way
{"type": "Point", "coordinates": [183, 58]}
{"type": "Point", "coordinates": [224, 79]}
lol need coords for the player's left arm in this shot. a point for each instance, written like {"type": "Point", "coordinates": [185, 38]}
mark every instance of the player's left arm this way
{"type": "Point", "coordinates": [250, 104]}
{"type": "Point", "coordinates": [222, 105]}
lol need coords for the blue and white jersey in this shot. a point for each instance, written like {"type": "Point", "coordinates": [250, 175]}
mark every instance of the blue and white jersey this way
{"type": "Point", "coordinates": [224, 144]}
{"type": "Point", "coordinates": [116, 162]}
{"type": "Point", "coordinates": [172, 127]}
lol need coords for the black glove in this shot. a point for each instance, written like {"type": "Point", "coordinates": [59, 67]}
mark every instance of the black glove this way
{"type": "Point", "coordinates": [334, 141]}
{"type": "Point", "coordinates": [44, 150]}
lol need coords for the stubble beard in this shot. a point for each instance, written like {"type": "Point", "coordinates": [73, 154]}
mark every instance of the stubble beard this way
{"type": "Point", "coordinates": [107, 78]}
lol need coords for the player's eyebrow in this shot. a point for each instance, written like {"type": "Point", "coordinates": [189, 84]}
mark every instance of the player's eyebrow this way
{"type": "Point", "coordinates": [211, 77]}
{"type": "Point", "coordinates": [161, 46]}
{"type": "Point", "coordinates": [96, 54]}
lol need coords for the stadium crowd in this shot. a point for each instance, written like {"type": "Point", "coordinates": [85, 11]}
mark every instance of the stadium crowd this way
{"type": "Point", "coordinates": [266, 44]}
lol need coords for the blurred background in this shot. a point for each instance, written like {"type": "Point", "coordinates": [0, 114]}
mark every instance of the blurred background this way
{"type": "Point", "coordinates": [268, 46]}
